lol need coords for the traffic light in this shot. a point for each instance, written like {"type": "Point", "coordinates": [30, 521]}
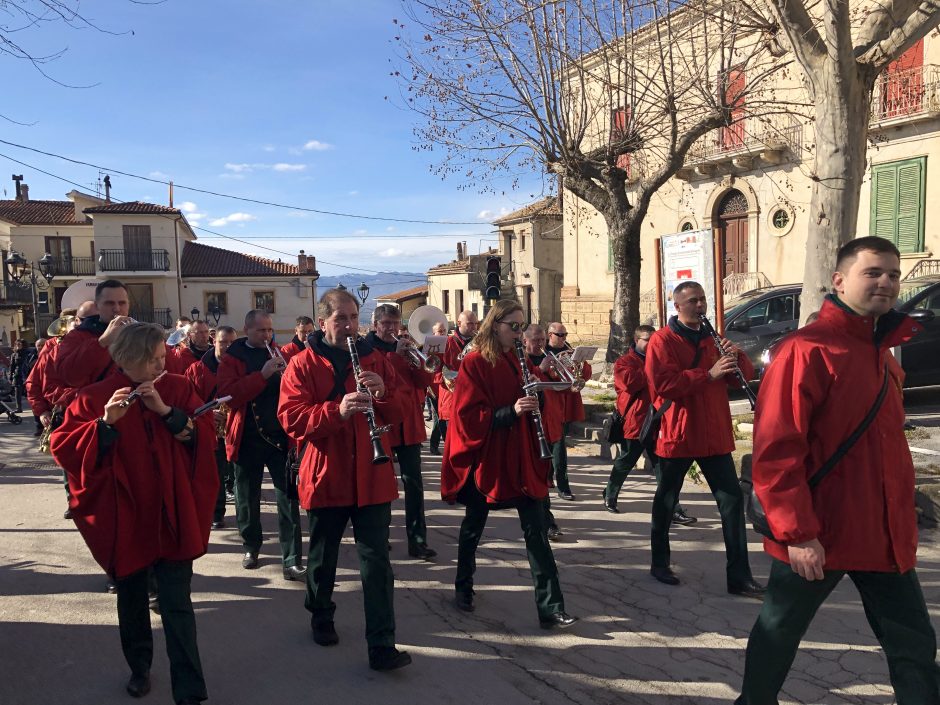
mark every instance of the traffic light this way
{"type": "Point", "coordinates": [493, 275]}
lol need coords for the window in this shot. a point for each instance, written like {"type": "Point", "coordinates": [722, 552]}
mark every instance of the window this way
{"type": "Point", "coordinates": [781, 219]}
{"type": "Point", "coordinates": [61, 250]}
{"type": "Point", "coordinates": [521, 240]}
{"type": "Point", "coordinates": [458, 299]}
{"type": "Point", "coordinates": [137, 251]}
{"type": "Point", "coordinates": [446, 301]}
{"type": "Point", "coordinates": [263, 300]}
{"type": "Point", "coordinates": [732, 84]}
{"type": "Point", "coordinates": [901, 84]}
{"type": "Point", "coordinates": [897, 203]}
{"type": "Point", "coordinates": [757, 315]}
{"type": "Point", "coordinates": [783, 309]}
{"type": "Point", "coordinates": [686, 227]}
{"type": "Point", "coordinates": [620, 129]}
{"type": "Point", "coordinates": [216, 299]}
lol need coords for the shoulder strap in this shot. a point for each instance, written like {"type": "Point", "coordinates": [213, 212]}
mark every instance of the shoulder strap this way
{"type": "Point", "coordinates": [666, 404]}
{"type": "Point", "coordinates": [850, 441]}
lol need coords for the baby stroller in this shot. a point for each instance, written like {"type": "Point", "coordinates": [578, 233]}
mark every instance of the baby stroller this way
{"type": "Point", "coordinates": [7, 402]}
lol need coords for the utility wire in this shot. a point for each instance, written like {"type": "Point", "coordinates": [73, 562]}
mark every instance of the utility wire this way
{"type": "Point", "coordinates": [244, 199]}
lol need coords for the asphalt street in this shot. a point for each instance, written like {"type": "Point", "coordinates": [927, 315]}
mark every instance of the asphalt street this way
{"type": "Point", "coordinates": [637, 641]}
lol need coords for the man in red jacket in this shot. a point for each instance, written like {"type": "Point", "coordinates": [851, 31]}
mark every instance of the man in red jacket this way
{"type": "Point", "coordinates": [408, 435]}
{"type": "Point", "coordinates": [573, 410]}
{"type": "Point", "coordinates": [298, 343]}
{"type": "Point", "coordinates": [203, 376]}
{"type": "Point", "coordinates": [860, 519]}
{"type": "Point", "coordinates": [633, 403]}
{"type": "Point", "coordinates": [255, 439]}
{"type": "Point", "coordinates": [191, 350]}
{"type": "Point", "coordinates": [467, 326]}
{"type": "Point", "coordinates": [685, 370]}
{"type": "Point", "coordinates": [322, 410]}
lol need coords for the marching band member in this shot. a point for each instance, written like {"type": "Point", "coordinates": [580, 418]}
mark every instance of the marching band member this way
{"type": "Point", "coordinates": [298, 343]}
{"type": "Point", "coordinates": [408, 435]}
{"type": "Point", "coordinates": [438, 428]}
{"type": "Point", "coordinates": [196, 345]}
{"type": "Point", "coordinates": [491, 459]}
{"type": "Point", "coordinates": [684, 366]}
{"type": "Point", "coordinates": [467, 325]}
{"type": "Point", "coordinates": [142, 492]}
{"type": "Point", "coordinates": [633, 403]}
{"type": "Point", "coordinates": [203, 376]}
{"type": "Point", "coordinates": [322, 410]}
{"type": "Point", "coordinates": [573, 411]}
{"type": "Point", "coordinates": [254, 439]}
{"type": "Point", "coordinates": [553, 410]}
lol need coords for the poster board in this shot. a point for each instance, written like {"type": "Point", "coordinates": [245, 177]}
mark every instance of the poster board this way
{"type": "Point", "coordinates": [685, 256]}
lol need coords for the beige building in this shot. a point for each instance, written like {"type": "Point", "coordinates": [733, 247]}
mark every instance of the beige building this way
{"type": "Point", "coordinates": [530, 240]}
{"type": "Point", "coordinates": [750, 184]}
{"type": "Point", "coordinates": [232, 284]}
{"type": "Point", "coordinates": [407, 300]}
{"type": "Point", "coordinates": [458, 285]}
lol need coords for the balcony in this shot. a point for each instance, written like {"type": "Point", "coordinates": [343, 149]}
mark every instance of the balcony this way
{"type": "Point", "coordinates": [14, 294]}
{"type": "Point", "coordinates": [908, 95]}
{"type": "Point", "coordinates": [75, 267]}
{"type": "Point", "coordinates": [161, 316]}
{"type": "Point", "coordinates": [134, 261]}
{"type": "Point", "coordinates": [745, 145]}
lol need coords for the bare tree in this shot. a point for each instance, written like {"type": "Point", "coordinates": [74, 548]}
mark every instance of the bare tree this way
{"type": "Point", "coordinates": [842, 47]}
{"type": "Point", "coordinates": [607, 95]}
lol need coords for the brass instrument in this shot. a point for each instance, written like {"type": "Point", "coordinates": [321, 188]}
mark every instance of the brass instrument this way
{"type": "Point", "coordinates": [450, 376]}
{"type": "Point", "coordinates": [275, 354]}
{"type": "Point", "coordinates": [545, 452]}
{"type": "Point", "coordinates": [375, 432]}
{"type": "Point", "coordinates": [220, 424]}
{"type": "Point", "coordinates": [568, 372]}
{"type": "Point", "coordinates": [60, 326]}
{"type": "Point", "coordinates": [428, 363]}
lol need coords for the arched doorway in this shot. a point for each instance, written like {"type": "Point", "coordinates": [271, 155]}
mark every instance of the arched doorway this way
{"type": "Point", "coordinates": [731, 232]}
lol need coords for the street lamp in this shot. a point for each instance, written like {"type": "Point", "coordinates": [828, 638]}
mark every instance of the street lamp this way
{"type": "Point", "coordinates": [216, 314]}
{"type": "Point", "coordinates": [194, 314]}
{"type": "Point", "coordinates": [362, 292]}
{"type": "Point", "coordinates": [22, 274]}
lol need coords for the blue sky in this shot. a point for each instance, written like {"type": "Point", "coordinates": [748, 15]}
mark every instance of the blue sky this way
{"type": "Point", "coordinates": [277, 101]}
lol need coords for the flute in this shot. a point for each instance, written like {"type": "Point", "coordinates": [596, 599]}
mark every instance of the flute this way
{"type": "Point", "coordinates": [751, 397]}
{"type": "Point", "coordinates": [135, 395]}
{"type": "Point", "coordinates": [375, 432]}
{"type": "Point", "coordinates": [544, 451]}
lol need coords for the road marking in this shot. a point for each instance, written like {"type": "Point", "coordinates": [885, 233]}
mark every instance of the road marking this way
{"type": "Point", "coordinates": [924, 451]}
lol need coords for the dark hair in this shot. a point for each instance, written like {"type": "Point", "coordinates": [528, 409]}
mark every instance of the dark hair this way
{"type": "Point", "coordinates": [198, 320]}
{"type": "Point", "coordinates": [225, 329]}
{"type": "Point", "coordinates": [109, 284]}
{"type": "Point", "coordinates": [303, 321]}
{"type": "Point", "coordinates": [683, 285]}
{"type": "Point", "coordinates": [643, 329]}
{"type": "Point", "coordinates": [253, 315]}
{"type": "Point", "coordinates": [848, 253]}
{"type": "Point", "coordinates": [385, 311]}
{"type": "Point", "coordinates": [331, 299]}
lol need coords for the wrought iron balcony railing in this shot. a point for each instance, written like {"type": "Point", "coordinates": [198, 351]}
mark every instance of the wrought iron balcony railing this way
{"type": "Point", "coordinates": [153, 315]}
{"type": "Point", "coordinates": [906, 94]}
{"type": "Point", "coordinates": [134, 261]}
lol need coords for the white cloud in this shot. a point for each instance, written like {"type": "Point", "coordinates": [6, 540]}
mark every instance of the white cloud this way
{"type": "Point", "coordinates": [489, 215]}
{"type": "Point", "coordinates": [233, 218]}
{"type": "Point", "coordinates": [317, 146]}
{"type": "Point", "coordinates": [353, 193]}
{"type": "Point", "coordinates": [391, 252]}
{"type": "Point", "coordinates": [238, 168]}
{"type": "Point", "coordinates": [360, 232]}
{"type": "Point", "coordinates": [485, 215]}
{"type": "Point", "coordinates": [269, 148]}
{"type": "Point", "coordinates": [281, 166]}
{"type": "Point", "coordinates": [158, 175]}
{"type": "Point", "coordinates": [390, 229]}
{"type": "Point", "coordinates": [188, 207]}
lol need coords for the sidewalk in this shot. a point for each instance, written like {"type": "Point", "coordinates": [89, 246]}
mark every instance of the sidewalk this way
{"type": "Point", "coordinates": [638, 641]}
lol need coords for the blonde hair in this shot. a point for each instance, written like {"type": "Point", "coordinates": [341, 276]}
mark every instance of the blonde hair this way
{"type": "Point", "coordinates": [135, 343]}
{"type": "Point", "coordinates": [486, 341]}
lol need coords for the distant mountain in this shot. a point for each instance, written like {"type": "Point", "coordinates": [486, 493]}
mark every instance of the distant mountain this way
{"type": "Point", "coordinates": [379, 285]}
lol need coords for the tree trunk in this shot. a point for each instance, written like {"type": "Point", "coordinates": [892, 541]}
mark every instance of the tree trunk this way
{"type": "Point", "coordinates": [624, 229]}
{"type": "Point", "coordinates": [842, 98]}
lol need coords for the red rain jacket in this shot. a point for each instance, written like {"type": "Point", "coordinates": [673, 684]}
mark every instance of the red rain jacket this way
{"type": "Point", "coordinates": [451, 359]}
{"type": "Point", "coordinates": [823, 380]}
{"type": "Point", "coordinates": [411, 395]}
{"type": "Point", "coordinates": [633, 394]}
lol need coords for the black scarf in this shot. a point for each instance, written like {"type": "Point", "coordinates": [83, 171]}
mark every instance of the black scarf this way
{"type": "Point", "coordinates": [93, 324]}
{"type": "Point", "coordinates": [690, 334]}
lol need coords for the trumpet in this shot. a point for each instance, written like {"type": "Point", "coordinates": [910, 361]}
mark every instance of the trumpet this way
{"type": "Point", "coordinates": [60, 326]}
{"type": "Point", "coordinates": [220, 424]}
{"type": "Point", "coordinates": [135, 395]}
{"type": "Point", "coordinates": [545, 452]}
{"type": "Point", "coordinates": [428, 363]}
{"type": "Point", "coordinates": [745, 387]}
{"type": "Point", "coordinates": [567, 371]}
{"type": "Point", "coordinates": [450, 376]}
{"type": "Point", "coordinates": [275, 353]}
{"type": "Point", "coordinates": [375, 432]}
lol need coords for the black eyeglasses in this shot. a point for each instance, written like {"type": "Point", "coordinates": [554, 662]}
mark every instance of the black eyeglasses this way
{"type": "Point", "coordinates": [560, 335]}
{"type": "Point", "coordinates": [513, 326]}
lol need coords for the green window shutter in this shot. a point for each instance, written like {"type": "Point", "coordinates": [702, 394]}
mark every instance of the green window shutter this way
{"type": "Point", "coordinates": [897, 203]}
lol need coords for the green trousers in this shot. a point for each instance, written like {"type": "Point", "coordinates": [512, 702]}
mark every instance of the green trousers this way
{"type": "Point", "coordinates": [896, 611]}
{"type": "Point", "coordinates": [370, 529]}
{"type": "Point", "coordinates": [409, 465]}
{"type": "Point", "coordinates": [723, 482]}
{"type": "Point", "coordinates": [630, 452]}
{"type": "Point", "coordinates": [253, 455]}
{"type": "Point", "coordinates": [560, 461]}
{"type": "Point", "coordinates": [179, 625]}
{"type": "Point", "coordinates": [548, 597]}
{"type": "Point", "coordinates": [225, 472]}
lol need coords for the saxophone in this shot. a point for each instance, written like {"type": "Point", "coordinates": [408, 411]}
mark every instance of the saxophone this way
{"type": "Point", "coordinates": [220, 424]}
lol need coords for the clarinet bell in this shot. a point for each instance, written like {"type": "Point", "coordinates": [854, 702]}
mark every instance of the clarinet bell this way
{"type": "Point", "coordinates": [378, 452]}
{"type": "Point", "coordinates": [545, 452]}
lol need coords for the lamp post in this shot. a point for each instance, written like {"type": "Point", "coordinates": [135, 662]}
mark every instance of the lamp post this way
{"type": "Point", "coordinates": [216, 314]}
{"type": "Point", "coordinates": [362, 291]}
{"type": "Point", "coordinates": [194, 314]}
{"type": "Point", "coordinates": [340, 287]}
{"type": "Point", "coordinates": [22, 274]}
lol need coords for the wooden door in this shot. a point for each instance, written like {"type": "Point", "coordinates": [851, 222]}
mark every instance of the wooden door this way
{"type": "Point", "coordinates": [137, 252]}
{"type": "Point", "coordinates": [141, 301]}
{"type": "Point", "coordinates": [731, 232]}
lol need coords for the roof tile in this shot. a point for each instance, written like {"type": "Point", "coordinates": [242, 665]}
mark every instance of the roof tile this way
{"type": "Point", "coordinates": [134, 207]}
{"type": "Point", "coordinates": [545, 207]}
{"type": "Point", "coordinates": [40, 213]}
{"type": "Point", "coordinates": [205, 261]}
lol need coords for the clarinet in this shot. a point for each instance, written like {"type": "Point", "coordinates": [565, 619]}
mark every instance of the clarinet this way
{"type": "Point", "coordinates": [745, 387]}
{"type": "Point", "coordinates": [375, 432]}
{"type": "Point", "coordinates": [545, 452]}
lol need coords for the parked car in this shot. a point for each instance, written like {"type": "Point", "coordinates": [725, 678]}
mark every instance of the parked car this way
{"type": "Point", "coordinates": [756, 318]}
{"type": "Point", "coordinates": [920, 357]}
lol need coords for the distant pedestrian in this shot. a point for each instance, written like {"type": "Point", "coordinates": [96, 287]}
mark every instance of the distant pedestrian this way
{"type": "Point", "coordinates": [860, 518]}
{"type": "Point", "coordinates": [21, 364]}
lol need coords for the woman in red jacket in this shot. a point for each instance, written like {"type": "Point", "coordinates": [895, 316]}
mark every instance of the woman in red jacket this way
{"type": "Point", "coordinates": [491, 459]}
{"type": "Point", "coordinates": [143, 485]}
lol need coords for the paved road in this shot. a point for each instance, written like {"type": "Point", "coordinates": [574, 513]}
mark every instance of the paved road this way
{"type": "Point", "coordinates": [638, 641]}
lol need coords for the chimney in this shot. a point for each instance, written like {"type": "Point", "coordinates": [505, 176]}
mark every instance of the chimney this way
{"type": "Point", "coordinates": [302, 262]}
{"type": "Point", "coordinates": [459, 252]}
{"type": "Point", "coordinates": [24, 193]}
{"type": "Point", "coordinates": [466, 255]}
{"type": "Point", "coordinates": [19, 192]}
{"type": "Point", "coordinates": [107, 188]}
